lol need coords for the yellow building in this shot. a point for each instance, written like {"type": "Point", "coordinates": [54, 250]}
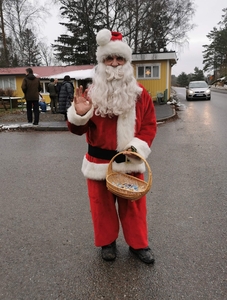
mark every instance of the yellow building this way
{"type": "Point", "coordinates": [153, 71]}
{"type": "Point", "coordinates": [11, 78]}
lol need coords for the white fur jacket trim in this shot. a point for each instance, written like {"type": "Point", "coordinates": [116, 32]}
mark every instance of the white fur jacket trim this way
{"type": "Point", "coordinates": [98, 171]}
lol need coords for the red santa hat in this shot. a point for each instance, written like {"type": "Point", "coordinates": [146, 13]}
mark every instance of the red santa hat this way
{"type": "Point", "coordinates": [110, 43]}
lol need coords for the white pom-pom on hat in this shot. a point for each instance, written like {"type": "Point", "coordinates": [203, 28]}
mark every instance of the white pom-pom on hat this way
{"type": "Point", "coordinates": [103, 37]}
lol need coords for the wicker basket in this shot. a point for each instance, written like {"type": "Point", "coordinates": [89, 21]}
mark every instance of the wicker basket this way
{"type": "Point", "coordinates": [127, 186]}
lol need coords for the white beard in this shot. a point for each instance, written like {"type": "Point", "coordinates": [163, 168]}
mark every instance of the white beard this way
{"type": "Point", "coordinates": [114, 90]}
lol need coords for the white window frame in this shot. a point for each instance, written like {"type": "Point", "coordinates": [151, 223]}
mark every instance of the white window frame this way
{"type": "Point", "coordinates": [43, 84]}
{"type": "Point", "coordinates": [149, 67]}
{"type": "Point", "coordinates": [8, 82]}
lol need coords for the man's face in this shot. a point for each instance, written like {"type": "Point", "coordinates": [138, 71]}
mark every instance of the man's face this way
{"type": "Point", "coordinates": [114, 61]}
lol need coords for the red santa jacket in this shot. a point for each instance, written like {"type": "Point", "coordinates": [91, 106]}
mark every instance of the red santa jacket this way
{"type": "Point", "coordinates": [135, 128]}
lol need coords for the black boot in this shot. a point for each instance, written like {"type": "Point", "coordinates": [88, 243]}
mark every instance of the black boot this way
{"type": "Point", "coordinates": [145, 255]}
{"type": "Point", "coordinates": [109, 251]}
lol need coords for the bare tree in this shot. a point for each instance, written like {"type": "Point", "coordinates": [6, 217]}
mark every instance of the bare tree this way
{"type": "Point", "coordinates": [19, 16]}
{"type": "Point", "coordinates": [4, 59]}
{"type": "Point", "coordinates": [151, 26]}
{"type": "Point", "coordinates": [46, 53]}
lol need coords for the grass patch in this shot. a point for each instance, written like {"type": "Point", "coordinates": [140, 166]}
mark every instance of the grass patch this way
{"type": "Point", "coordinates": [4, 112]}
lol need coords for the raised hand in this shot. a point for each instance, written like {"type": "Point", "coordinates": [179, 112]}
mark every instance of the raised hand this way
{"type": "Point", "coordinates": [82, 102]}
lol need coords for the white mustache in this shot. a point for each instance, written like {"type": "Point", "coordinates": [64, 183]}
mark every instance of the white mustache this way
{"type": "Point", "coordinates": [114, 73]}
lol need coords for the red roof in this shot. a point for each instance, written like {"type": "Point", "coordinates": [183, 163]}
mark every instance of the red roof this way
{"type": "Point", "coordinates": [44, 71]}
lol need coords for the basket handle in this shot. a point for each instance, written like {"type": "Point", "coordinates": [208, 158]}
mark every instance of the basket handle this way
{"type": "Point", "coordinates": [149, 180]}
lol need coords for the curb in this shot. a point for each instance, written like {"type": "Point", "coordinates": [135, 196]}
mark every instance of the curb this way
{"type": "Point", "coordinates": [26, 127]}
{"type": "Point", "coordinates": [167, 118]}
{"type": "Point", "coordinates": [57, 127]}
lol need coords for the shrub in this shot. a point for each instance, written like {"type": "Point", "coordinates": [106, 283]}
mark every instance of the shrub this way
{"type": "Point", "coordinates": [9, 92]}
{"type": "Point", "coordinates": [2, 92]}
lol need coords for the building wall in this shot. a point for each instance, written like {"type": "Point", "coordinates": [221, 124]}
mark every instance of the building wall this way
{"type": "Point", "coordinates": [19, 92]}
{"type": "Point", "coordinates": [155, 86]}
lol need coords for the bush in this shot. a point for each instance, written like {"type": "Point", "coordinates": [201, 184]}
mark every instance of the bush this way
{"type": "Point", "coordinates": [7, 92]}
{"type": "Point", "coordinates": [2, 92]}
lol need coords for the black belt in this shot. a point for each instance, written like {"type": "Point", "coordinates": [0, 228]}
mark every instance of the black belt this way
{"type": "Point", "coordinates": [105, 154]}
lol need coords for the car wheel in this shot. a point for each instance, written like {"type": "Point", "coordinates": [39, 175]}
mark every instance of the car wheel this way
{"type": "Point", "coordinates": [209, 98]}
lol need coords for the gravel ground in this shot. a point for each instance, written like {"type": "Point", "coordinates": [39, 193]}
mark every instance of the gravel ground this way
{"type": "Point", "coordinates": [19, 116]}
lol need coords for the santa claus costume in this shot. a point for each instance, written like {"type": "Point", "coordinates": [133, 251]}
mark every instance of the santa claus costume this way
{"type": "Point", "coordinates": [122, 115]}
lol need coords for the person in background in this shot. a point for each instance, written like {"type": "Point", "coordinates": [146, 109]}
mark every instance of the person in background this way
{"type": "Point", "coordinates": [52, 90]}
{"type": "Point", "coordinates": [42, 103]}
{"type": "Point", "coordinates": [31, 87]}
{"type": "Point", "coordinates": [57, 85]}
{"type": "Point", "coordinates": [65, 96]}
{"type": "Point", "coordinates": [117, 115]}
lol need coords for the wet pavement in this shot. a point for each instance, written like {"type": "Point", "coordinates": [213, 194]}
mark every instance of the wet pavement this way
{"type": "Point", "coordinates": [46, 235]}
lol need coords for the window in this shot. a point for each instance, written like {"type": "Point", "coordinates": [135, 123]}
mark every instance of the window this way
{"type": "Point", "coordinates": [8, 82]}
{"type": "Point", "coordinates": [44, 85]}
{"type": "Point", "coordinates": [148, 71]}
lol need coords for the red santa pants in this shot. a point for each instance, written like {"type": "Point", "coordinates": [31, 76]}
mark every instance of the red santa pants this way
{"type": "Point", "coordinates": [107, 211]}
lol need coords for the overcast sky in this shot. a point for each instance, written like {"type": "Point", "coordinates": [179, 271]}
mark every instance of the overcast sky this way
{"type": "Point", "coordinates": [208, 14]}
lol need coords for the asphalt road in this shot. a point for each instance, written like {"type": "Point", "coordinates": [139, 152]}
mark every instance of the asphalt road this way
{"type": "Point", "coordinates": [46, 236]}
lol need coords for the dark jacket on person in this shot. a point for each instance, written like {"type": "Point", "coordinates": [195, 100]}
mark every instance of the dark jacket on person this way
{"type": "Point", "coordinates": [52, 89]}
{"type": "Point", "coordinates": [31, 87]}
{"type": "Point", "coordinates": [65, 96]}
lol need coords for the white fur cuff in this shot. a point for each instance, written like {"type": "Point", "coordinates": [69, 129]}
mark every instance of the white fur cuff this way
{"type": "Point", "coordinates": [76, 119]}
{"type": "Point", "coordinates": [142, 147]}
